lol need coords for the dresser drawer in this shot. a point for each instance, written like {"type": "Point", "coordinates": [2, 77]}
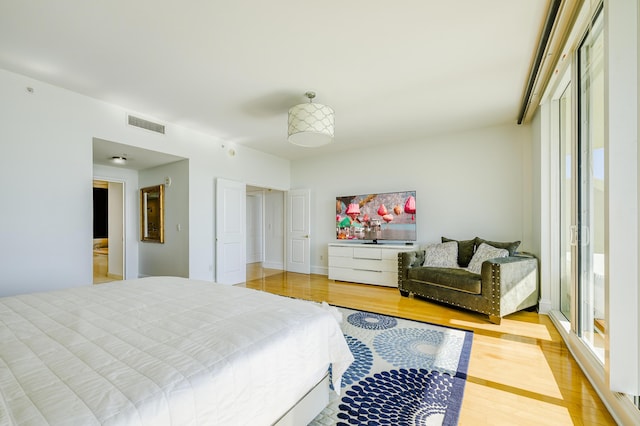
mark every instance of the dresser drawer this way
{"type": "Point", "coordinates": [341, 251]}
{"type": "Point", "coordinates": [366, 264]}
{"type": "Point", "coordinates": [388, 279]}
{"type": "Point", "coordinates": [367, 253]}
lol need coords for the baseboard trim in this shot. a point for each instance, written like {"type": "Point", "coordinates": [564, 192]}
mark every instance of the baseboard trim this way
{"type": "Point", "coordinates": [320, 270]}
{"type": "Point", "coordinates": [273, 265]}
{"type": "Point", "coordinates": [545, 306]}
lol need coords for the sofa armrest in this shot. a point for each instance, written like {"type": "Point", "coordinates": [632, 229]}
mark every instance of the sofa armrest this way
{"type": "Point", "coordinates": [408, 260]}
{"type": "Point", "coordinates": [511, 283]}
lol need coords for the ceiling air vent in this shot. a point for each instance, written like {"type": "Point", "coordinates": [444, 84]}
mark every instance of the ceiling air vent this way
{"type": "Point", "coordinates": [145, 124]}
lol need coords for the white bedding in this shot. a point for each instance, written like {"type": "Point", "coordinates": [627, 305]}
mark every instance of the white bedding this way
{"type": "Point", "coordinates": [160, 351]}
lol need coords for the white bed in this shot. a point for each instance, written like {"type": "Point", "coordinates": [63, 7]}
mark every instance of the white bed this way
{"type": "Point", "coordinates": [162, 351]}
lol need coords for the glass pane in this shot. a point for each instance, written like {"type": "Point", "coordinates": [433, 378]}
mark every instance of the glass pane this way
{"type": "Point", "coordinates": [592, 327]}
{"type": "Point", "coordinates": [566, 185]}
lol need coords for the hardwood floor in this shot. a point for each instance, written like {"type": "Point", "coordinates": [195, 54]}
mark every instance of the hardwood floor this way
{"type": "Point", "coordinates": [101, 269]}
{"type": "Point", "coordinates": [520, 372]}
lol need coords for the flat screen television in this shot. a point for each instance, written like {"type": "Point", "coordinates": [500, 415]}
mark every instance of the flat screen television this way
{"type": "Point", "coordinates": [377, 217]}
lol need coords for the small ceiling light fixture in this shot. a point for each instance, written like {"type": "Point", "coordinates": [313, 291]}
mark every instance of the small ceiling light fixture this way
{"type": "Point", "coordinates": [311, 125]}
{"type": "Point", "coordinates": [119, 159]}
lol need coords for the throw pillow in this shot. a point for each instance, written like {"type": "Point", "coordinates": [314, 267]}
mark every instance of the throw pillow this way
{"type": "Point", "coordinates": [443, 255]}
{"type": "Point", "coordinates": [511, 246]}
{"type": "Point", "coordinates": [484, 253]}
{"type": "Point", "coordinates": [465, 250]}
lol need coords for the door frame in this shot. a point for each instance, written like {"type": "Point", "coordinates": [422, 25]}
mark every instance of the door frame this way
{"type": "Point", "coordinates": [124, 220]}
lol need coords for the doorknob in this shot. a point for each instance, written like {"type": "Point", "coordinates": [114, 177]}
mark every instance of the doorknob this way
{"type": "Point", "coordinates": [306, 236]}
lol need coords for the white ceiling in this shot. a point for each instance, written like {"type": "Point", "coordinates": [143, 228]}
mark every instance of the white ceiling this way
{"type": "Point", "coordinates": [393, 71]}
{"type": "Point", "coordinates": [136, 158]}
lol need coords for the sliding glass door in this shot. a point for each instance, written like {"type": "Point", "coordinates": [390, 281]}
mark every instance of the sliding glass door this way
{"type": "Point", "coordinates": [581, 194]}
{"type": "Point", "coordinates": [567, 231]}
{"type": "Point", "coordinates": [578, 120]}
{"type": "Point", "coordinates": [590, 191]}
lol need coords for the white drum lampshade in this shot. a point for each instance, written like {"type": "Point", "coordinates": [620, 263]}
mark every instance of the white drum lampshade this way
{"type": "Point", "coordinates": [311, 125]}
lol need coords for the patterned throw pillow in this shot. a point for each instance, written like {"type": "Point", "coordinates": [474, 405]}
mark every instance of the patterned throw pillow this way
{"type": "Point", "coordinates": [512, 246]}
{"type": "Point", "coordinates": [483, 253]}
{"type": "Point", "coordinates": [465, 250]}
{"type": "Point", "coordinates": [443, 255]}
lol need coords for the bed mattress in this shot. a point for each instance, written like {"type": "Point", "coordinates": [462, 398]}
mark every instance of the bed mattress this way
{"type": "Point", "coordinates": [161, 351]}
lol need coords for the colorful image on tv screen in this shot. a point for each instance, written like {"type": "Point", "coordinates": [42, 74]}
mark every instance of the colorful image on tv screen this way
{"type": "Point", "coordinates": [383, 216]}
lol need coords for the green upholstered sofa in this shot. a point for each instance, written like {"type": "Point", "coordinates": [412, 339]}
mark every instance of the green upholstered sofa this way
{"type": "Point", "coordinates": [503, 286]}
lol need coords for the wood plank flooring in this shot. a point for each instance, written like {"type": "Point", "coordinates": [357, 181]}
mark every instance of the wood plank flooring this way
{"type": "Point", "coordinates": [520, 373]}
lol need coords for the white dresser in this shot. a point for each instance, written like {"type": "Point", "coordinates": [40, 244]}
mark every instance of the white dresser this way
{"type": "Point", "coordinates": [366, 263]}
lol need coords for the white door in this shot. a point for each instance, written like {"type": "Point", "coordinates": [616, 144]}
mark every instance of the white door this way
{"type": "Point", "coordinates": [230, 232]}
{"type": "Point", "coordinates": [298, 231]}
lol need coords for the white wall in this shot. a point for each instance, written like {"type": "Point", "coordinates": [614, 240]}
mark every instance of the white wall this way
{"type": "Point", "coordinates": [46, 190]}
{"type": "Point", "coordinates": [172, 256]}
{"type": "Point", "coordinates": [45, 235]}
{"type": "Point", "coordinates": [468, 184]}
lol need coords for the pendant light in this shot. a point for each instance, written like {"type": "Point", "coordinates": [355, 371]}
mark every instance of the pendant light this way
{"type": "Point", "coordinates": [310, 125]}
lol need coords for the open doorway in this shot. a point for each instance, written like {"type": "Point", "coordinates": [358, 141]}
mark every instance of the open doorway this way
{"type": "Point", "coordinates": [265, 232]}
{"type": "Point", "coordinates": [108, 231]}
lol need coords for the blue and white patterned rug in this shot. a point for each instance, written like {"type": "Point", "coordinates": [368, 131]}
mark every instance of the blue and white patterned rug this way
{"type": "Point", "coordinates": [405, 373]}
